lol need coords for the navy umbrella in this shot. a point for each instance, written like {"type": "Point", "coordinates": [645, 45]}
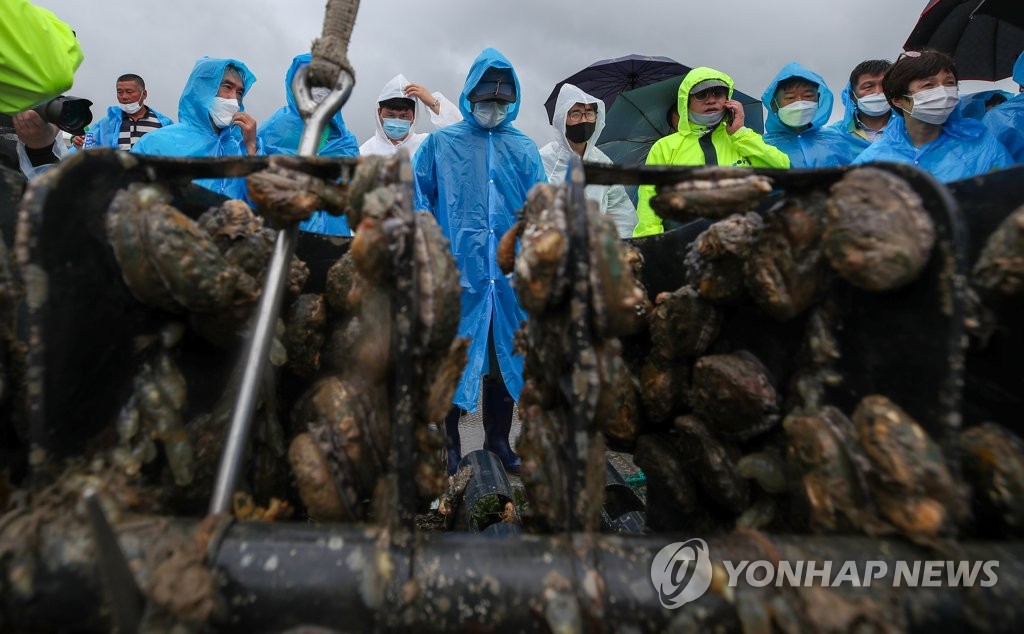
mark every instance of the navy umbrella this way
{"type": "Point", "coordinates": [638, 118]}
{"type": "Point", "coordinates": [607, 78]}
{"type": "Point", "coordinates": [984, 37]}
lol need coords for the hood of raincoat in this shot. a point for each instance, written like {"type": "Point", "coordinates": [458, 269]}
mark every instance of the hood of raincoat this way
{"type": "Point", "coordinates": [489, 58]}
{"type": "Point", "coordinates": [568, 96]}
{"type": "Point", "coordinates": [395, 88]}
{"type": "Point", "coordinates": [692, 78]}
{"type": "Point", "coordinates": [202, 86]}
{"type": "Point", "coordinates": [825, 99]}
{"type": "Point", "coordinates": [1018, 70]}
{"type": "Point", "coordinates": [972, 105]}
{"type": "Point", "coordinates": [280, 133]}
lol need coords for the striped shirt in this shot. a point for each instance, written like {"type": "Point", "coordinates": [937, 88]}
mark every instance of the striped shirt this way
{"type": "Point", "coordinates": [132, 130]}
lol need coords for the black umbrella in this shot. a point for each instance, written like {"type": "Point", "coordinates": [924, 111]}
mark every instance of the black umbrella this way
{"type": "Point", "coordinates": [607, 78]}
{"type": "Point", "coordinates": [638, 118]}
{"type": "Point", "coordinates": [984, 37]}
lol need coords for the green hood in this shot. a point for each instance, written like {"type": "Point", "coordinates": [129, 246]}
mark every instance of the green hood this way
{"type": "Point", "coordinates": [693, 78]}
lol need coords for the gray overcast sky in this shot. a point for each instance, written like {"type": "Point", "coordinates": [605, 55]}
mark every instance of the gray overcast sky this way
{"type": "Point", "coordinates": [434, 43]}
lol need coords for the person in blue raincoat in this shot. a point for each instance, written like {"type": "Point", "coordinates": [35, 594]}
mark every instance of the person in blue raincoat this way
{"type": "Point", "coordinates": [473, 176]}
{"type": "Point", "coordinates": [1006, 121]}
{"type": "Point", "coordinates": [211, 121]}
{"type": "Point", "coordinates": [976, 104]}
{"type": "Point", "coordinates": [128, 121]}
{"type": "Point", "coordinates": [799, 105]}
{"type": "Point", "coordinates": [280, 134]}
{"type": "Point", "coordinates": [928, 130]}
{"type": "Point", "coordinates": [867, 110]}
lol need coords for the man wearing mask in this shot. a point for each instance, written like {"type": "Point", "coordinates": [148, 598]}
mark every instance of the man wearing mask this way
{"type": "Point", "coordinates": [213, 121]}
{"type": "Point", "coordinates": [928, 130]}
{"type": "Point", "coordinates": [473, 176]}
{"type": "Point", "coordinates": [1006, 121]}
{"type": "Point", "coordinates": [280, 134]}
{"type": "Point", "coordinates": [578, 120]}
{"type": "Point", "coordinates": [128, 121]}
{"type": "Point", "coordinates": [799, 105]}
{"type": "Point", "coordinates": [402, 110]}
{"type": "Point", "coordinates": [867, 110]}
{"type": "Point", "coordinates": [711, 134]}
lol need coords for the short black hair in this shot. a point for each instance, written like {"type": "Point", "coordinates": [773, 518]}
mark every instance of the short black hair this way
{"type": "Point", "coordinates": [791, 82]}
{"type": "Point", "coordinates": [921, 65]}
{"type": "Point", "coordinates": [132, 77]}
{"type": "Point", "coordinates": [397, 103]}
{"type": "Point", "coordinates": [869, 67]}
{"type": "Point", "coordinates": [995, 100]}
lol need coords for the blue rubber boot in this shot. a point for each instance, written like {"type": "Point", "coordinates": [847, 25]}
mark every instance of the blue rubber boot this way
{"type": "Point", "coordinates": [497, 416]}
{"type": "Point", "coordinates": [451, 429]}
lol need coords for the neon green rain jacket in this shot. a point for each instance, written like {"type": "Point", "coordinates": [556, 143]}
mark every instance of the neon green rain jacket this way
{"type": "Point", "coordinates": [745, 148]}
{"type": "Point", "coordinates": [38, 56]}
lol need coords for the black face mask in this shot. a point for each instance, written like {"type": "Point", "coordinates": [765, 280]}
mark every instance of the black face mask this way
{"type": "Point", "coordinates": [580, 132]}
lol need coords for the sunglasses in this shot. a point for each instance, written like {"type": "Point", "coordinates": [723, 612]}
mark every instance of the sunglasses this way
{"type": "Point", "coordinates": [715, 92]}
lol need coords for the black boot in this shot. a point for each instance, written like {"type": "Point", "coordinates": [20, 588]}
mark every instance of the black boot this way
{"type": "Point", "coordinates": [497, 416]}
{"type": "Point", "coordinates": [451, 429]}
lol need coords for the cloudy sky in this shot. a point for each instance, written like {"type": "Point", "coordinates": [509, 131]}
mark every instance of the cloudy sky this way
{"type": "Point", "coordinates": [434, 43]}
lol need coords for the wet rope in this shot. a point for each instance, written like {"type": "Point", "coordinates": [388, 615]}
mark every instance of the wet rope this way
{"type": "Point", "coordinates": [330, 50]}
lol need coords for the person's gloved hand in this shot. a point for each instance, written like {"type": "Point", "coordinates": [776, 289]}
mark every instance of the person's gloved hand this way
{"type": "Point", "coordinates": [35, 133]}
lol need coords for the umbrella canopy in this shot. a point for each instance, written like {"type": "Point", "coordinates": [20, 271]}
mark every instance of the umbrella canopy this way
{"type": "Point", "coordinates": [638, 118]}
{"type": "Point", "coordinates": [984, 37]}
{"type": "Point", "coordinates": [607, 78]}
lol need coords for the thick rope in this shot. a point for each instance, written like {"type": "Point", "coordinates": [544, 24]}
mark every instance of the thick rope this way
{"type": "Point", "coordinates": [330, 50]}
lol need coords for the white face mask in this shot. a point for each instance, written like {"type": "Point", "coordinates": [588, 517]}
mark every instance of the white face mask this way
{"type": "Point", "coordinates": [798, 114]}
{"type": "Point", "coordinates": [130, 108]}
{"type": "Point", "coordinates": [319, 93]}
{"type": "Point", "coordinates": [221, 111]}
{"type": "Point", "coordinates": [935, 104]}
{"type": "Point", "coordinates": [873, 105]}
{"type": "Point", "coordinates": [706, 119]}
{"type": "Point", "coordinates": [490, 114]}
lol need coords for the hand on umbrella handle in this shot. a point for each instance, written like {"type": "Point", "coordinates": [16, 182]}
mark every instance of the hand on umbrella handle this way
{"type": "Point", "coordinates": [735, 122]}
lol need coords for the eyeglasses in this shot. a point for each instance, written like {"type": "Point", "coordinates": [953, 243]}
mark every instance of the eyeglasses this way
{"type": "Point", "coordinates": [715, 92]}
{"type": "Point", "coordinates": [576, 117]}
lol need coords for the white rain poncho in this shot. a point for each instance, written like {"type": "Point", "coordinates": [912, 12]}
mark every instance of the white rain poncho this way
{"type": "Point", "coordinates": [556, 155]}
{"type": "Point", "coordinates": [380, 143]}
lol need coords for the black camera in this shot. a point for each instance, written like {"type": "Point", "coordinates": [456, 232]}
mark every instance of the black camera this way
{"type": "Point", "coordinates": [70, 114]}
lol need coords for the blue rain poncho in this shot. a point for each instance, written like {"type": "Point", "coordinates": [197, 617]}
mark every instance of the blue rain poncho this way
{"type": "Point", "coordinates": [194, 134]}
{"type": "Point", "coordinates": [964, 148]}
{"type": "Point", "coordinates": [611, 199]}
{"type": "Point", "coordinates": [280, 134]}
{"type": "Point", "coordinates": [855, 144]}
{"type": "Point", "coordinates": [973, 105]}
{"type": "Point", "coordinates": [106, 131]}
{"type": "Point", "coordinates": [473, 180]}
{"type": "Point", "coordinates": [817, 146]}
{"type": "Point", "coordinates": [1006, 121]}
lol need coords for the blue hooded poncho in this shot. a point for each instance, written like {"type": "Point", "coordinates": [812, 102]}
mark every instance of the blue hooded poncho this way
{"type": "Point", "coordinates": [194, 134]}
{"type": "Point", "coordinates": [473, 180]}
{"type": "Point", "coordinates": [107, 130]}
{"type": "Point", "coordinates": [817, 146]}
{"type": "Point", "coordinates": [280, 135]}
{"type": "Point", "coordinates": [854, 144]}
{"type": "Point", "coordinates": [1006, 121]}
{"type": "Point", "coordinates": [964, 148]}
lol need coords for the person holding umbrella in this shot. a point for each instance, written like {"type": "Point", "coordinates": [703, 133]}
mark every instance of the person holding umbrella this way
{"type": "Point", "coordinates": [711, 134]}
{"type": "Point", "coordinates": [928, 130]}
{"type": "Point", "coordinates": [578, 121]}
{"type": "Point", "coordinates": [799, 105]}
{"type": "Point", "coordinates": [867, 110]}
{"type": "Point", "coordinates": [1006, 121]}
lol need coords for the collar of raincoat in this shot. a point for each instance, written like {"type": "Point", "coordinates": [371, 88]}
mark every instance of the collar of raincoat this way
{"type": "Point", "coordinates": [202, 86]}
{"type": "Point", "coordinates": [825, 99]}
{"type": "Point", "coordinates": [298, 62]}
{"type": "Point", "coordinates": [488, 58]}
{"type": "Point", "coordinates": [568, 96]}
{"type": "Point", "coordinates": [396, 88]}
{"type": "Point", "coordinates": [694, 77]}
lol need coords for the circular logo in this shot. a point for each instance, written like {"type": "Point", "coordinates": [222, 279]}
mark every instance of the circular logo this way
{"type": "Point", "coordinates": [681, 572]}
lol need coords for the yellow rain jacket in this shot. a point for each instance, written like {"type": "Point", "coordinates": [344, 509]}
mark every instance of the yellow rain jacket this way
{"type": "Point", "coordinates": [38, 56]}
{"type": "Point", "coordinates": [745, 148]}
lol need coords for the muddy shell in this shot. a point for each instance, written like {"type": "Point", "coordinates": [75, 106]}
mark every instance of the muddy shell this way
{"type": "Point", "coordinates": [362, 344]}
{"type": "Point", "coordinates": [540, 269]}
{"type": "Point", "coordinates": [711, 198]}
{"type": "Point", "coordinates": [438, 291]}
{"type": "Point", "coordinates": [228, 222]}
{"type": "Point", "coordinates": [618, 302]}
{"type": "Point", "coordinates": [305, 326]}
{"type": "Point", "coordinates": [285, 195]}
{"type": "Point", "coordinates": [543, 472]}
{"type": "Point", "coordinates": [786, 272]}
{"type": "Point", "coordinates": [993, 465]}
{"type": "Point", "coordinates": [715, 262]}
{"type": "Point", "coordinates": [663, 388]}
{"type": "Point", "coordinates": [341, 279]}
{"type": "Point", "coordinates": [683, 324]}
{"type": "Point", "coordinates": [735, 395]}
{"type": "Point", "coordinates": [999, 272]}
{"type": "Point", "coordinates": [671, 493]}
{"type": "Point", "coordinates": [440, 380]}
{"type": "Point", "coordinates": [712, 464]}
{"type": "Point", "coordinates": [618, 403]}
{"type": "Point", "coordinates": [371, 251]}
{"type": "Point", "coordinates": [878, 235]}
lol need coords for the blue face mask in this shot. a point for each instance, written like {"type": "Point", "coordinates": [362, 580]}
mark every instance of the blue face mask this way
{"type": "Point", "coordinates": [396, 128]}
{"type": "Point", "coordinates": [490, 113]}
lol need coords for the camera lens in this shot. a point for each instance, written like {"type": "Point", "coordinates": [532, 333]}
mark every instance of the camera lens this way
{"type": "Point", "coordinates": [70, 114]}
